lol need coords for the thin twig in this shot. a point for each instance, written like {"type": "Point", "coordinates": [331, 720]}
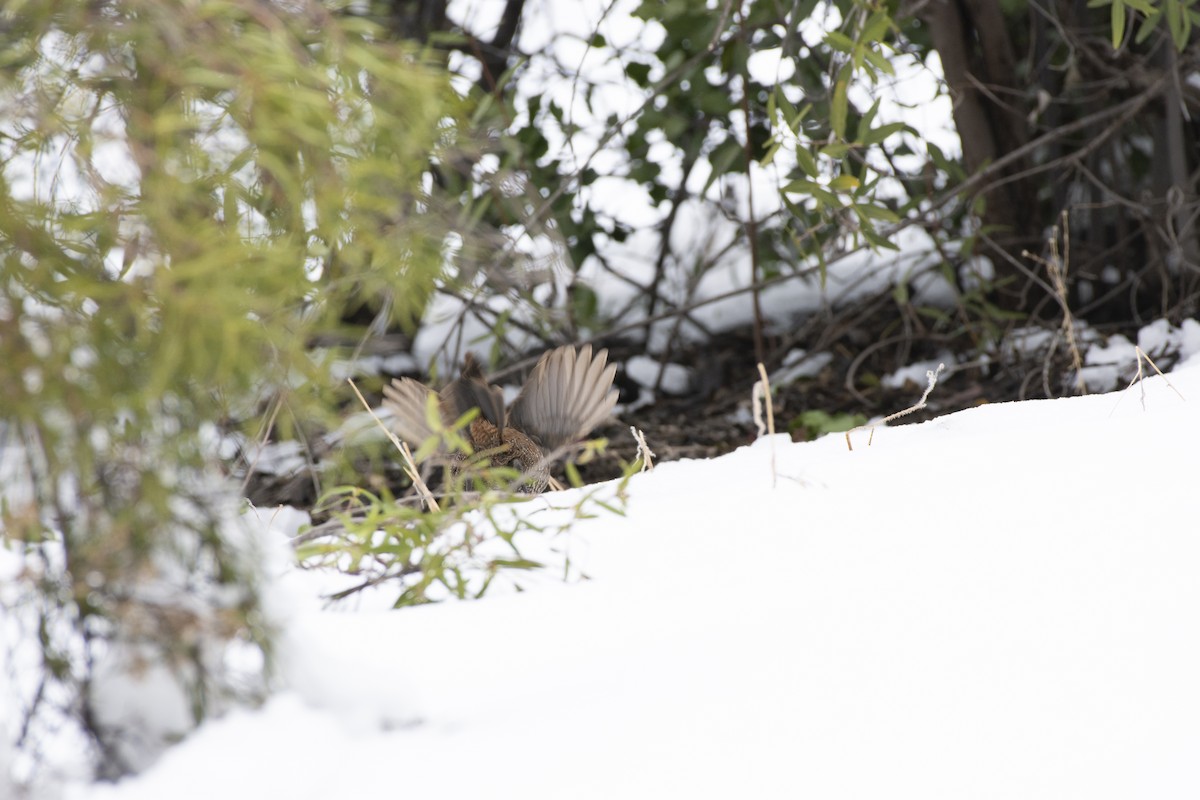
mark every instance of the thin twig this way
{"type": "Point", "coordinates": [410, 465]}
{"type": "Point", "coordinates": [751, 223]}
{"type": "Point", "coordinates": [276, 404]}
{"type": "Point", "coordinates": [1057, 268]}
{"type": "Point", "coordinates": [1139, 378]}
{"type": "Point", "coordinates": [931, 375]}
{"type": "Point", "coordinates": [643, 450]}
{"type": "Point", "coordinates": [760, 399]}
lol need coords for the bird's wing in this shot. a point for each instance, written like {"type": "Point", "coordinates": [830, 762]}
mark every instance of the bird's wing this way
{"type": "Point", "coordinates": [567, 395]}
{"type": "Point", "coordinates": [407, 399]}
{"type": "Point", "coordinates": [471, 390]}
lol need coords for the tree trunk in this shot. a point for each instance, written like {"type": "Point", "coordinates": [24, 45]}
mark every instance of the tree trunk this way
{"type": "Point", "coordinates": [990, 113]}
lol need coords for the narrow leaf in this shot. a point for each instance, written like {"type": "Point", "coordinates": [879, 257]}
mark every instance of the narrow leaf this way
{"type": "Point", "coordinates": [806, 161]}
{"type": "Point", "coordinates": [844, 183]}
{"type": "Point", "coordinates": [840, 104]}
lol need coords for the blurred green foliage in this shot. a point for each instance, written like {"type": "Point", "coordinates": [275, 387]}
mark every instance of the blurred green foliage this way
{"type": "Point", "coordinates": [189, 194]}
{"type": "Point", "coordinates": [815, 423]}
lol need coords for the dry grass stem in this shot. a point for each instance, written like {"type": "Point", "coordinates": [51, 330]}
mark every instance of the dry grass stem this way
{"type": "Point", "coordinates": [410, 465]}
{"type": "Point", "coordinates": [760, 398]}
{"type": "Point", "coordinates": [1140, 376]}
{"type": "Point", "coordinates": [1057, 268]}
{"type": "Point", "coordinates": [931, 375]}
{"type": "Point", "coordinates": [262, 440]}
{"type": "Point", "coordinates": [643, 451]}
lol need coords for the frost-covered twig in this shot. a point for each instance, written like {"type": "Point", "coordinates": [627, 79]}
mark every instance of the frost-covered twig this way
{"type": "Point", "coordinates": [931, 375]}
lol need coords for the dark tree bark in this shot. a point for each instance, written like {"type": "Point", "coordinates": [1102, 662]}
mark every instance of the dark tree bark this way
{"type": "Point", "coordinates": [1020, 75]}
{"type": "Point", "coordinates": [420, 20]}
{"type": "Point", "coordinates": [990, 108]}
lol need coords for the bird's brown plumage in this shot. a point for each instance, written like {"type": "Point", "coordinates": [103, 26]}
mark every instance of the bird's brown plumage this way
{"type": "Point", "coordinates": [567, 394]}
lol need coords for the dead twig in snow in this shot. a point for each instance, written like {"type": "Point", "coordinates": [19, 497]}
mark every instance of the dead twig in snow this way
{"type": "Point", "coordinates": [760, 398]}
{"type": "Point", "coordinates": [931, 375]}
{"type": "Point", "coordinates": [1140, 377]}
{"type": "Point", "coordinates": [643, 450]}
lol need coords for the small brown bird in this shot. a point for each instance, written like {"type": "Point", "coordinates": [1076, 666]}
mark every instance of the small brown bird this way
{"type": "Point", "coordinates": [567, 394]}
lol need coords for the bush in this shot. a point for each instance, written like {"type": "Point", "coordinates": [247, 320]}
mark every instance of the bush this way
{"type": "Point", "coordinates": [191, 193]}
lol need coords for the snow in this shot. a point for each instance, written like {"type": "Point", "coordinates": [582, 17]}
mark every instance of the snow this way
{"type": "Point", "coordinates": [916, 374]}
{"type": "Point", "coordinates": [1115, 362]}
{"type": "Point", "coordinates": [1000, 602]}
{"type": "Point", "coordinates": [799, 363]}
{"type": "Point", "coordinates": [676, 378]}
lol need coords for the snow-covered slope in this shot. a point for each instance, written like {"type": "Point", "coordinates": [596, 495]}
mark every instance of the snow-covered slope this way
{"type": "Point", "coordinates": [1003, 602]}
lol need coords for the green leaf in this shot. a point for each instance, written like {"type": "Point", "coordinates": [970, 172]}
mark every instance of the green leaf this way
{"type": "Point", "coordinates": [815, 422]}
{"type": "Point", "coordinates": [769, 157]}
{"type": "Point", "coordinates": [879, 62]}
{"type": "Point", "coordinates": [939, 158]}
{"type": "Point", "coordinates": [876, 240]}
{"type": "Point", "coordinates": [840, 103]}
{"type": "Point", "coordinates": [839, 41]}
{"type": "Point", "coordinates": [517, 563]}
{"type": "Point", "coordinates": [869, 211]}
{"type": "Point", "coordinates": [722, 160]}
{"type": "Point", "coordinates": [815, 191]}
{"type": "Point", "coordinates": [806, 162]}
{"type": "Point", "coordinates": [877, 135]}
{"type": "Point", "coordinates": [799, 187]}
{"type": "Point", "coordinates": [825, 198]}
{"type": "Point", "coordinates": [864, 124]}
{"type": "Point", "coordinates": [844, 183]}
{"type": "Point", "coordinates": [875, 28]}
{"type": "Point", "coordinates": [1179, 23]}
{"type": "Point", "coordinates": [796, 119]}
{"type": "Point", "coordinates": [837, 151]}
{"type": "Point", "coordinates": [784, 106]}
{"type": "Point", "coordinates": [1148, 26]}
{"type": "Point", "coordinates": [1118, 23]}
